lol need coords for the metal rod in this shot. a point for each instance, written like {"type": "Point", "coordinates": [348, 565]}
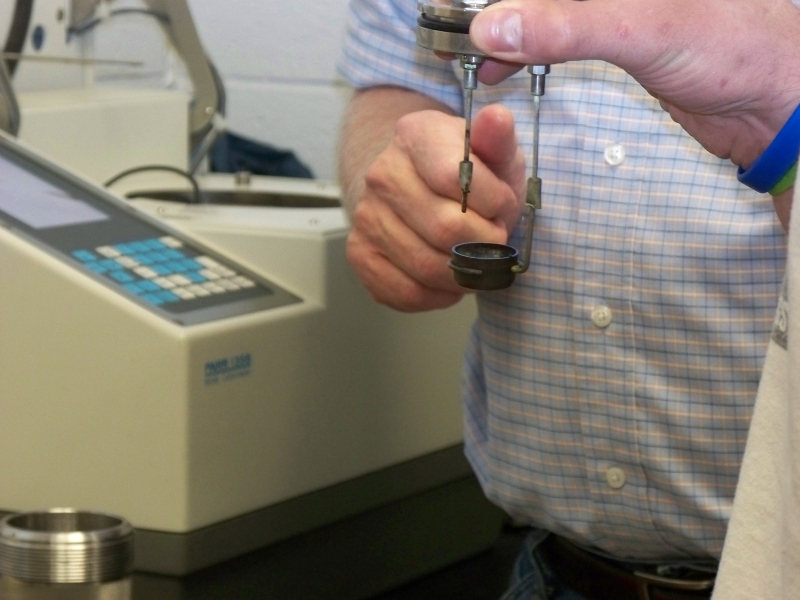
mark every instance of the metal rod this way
{"type": "Point", "coordinates": [465, 183]}
{"type": "Point", "coordinates": [69, 60]}
{"type": "Point", "coordinates": [535, 166]}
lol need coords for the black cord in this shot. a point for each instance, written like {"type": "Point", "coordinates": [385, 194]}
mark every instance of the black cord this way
{"type": "Point", "coordinates": [83, 28]}
{"type": "Point", "coordinates": [167, 168]}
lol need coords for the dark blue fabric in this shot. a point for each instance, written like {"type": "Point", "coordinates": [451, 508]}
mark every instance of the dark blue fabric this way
{"type": "Point", "coordinates": [232, 153]}
{"type": "Point", "coordinates": [531, 579]}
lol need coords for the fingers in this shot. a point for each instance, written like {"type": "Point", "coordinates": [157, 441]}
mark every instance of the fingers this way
{"type": "Point", "coordinates": [431, 190]}
{"type": "Point", "coordinates": [396, 265]}
{"type": "Point", "coordinates": [409, 216]}
{"type": "Point", "coordinates": [495, 71]}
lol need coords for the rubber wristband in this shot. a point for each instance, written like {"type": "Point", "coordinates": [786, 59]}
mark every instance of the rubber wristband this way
{"type": "Point", "coordinates": [785, 183]}
{"type": "Point", "coordinates": [764, 174]}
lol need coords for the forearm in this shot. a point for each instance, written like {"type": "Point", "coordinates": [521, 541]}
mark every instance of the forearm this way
{"type": "Point", "coordinates": [368, 129]}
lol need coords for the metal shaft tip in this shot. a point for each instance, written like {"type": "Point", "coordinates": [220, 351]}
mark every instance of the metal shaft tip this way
{"type": "Point", "coordinates": [464, 202]}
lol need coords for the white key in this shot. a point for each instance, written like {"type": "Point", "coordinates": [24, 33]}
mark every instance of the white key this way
{"type": "Point", "coordinates": [108, 251]}
{"type": "Point", "coordinates": [127, 262]}
{"type": "Point", "coordinates": [198, 291]}
{"type": "Point", "coordinates": [179, 279]}
{"type": "Point", "coordinates": [213, 288]}
{"type": "Point", "coordinates": [164, 283]}
{"type": "Point", "coordinates": [206, 261]}
{"type": "Point", "coordinates": [244, 282]}
{"type": "Point", "coordinates": [171, 242]}
{"type": "Point", "coordinates": [145, 272]}
{"type": "Point", "coordinates": [183, 293]}
{"type": "Point", "coordinates": [209, 274]}
{"type": "Point", "coordinates": [224, 271]}
{"type": "Point", "coordinates": [227, 284]}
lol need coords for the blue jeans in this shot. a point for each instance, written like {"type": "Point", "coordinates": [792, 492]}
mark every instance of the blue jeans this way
{"type": "Point", "coordinates": [531, 579]}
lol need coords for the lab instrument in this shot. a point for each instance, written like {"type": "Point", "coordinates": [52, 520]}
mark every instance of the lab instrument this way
{"type": "Point", "coordinates": [443, 26]}
{"type": "Point", "coordinates": [102, 131]}
{"type": "Point", "coordinates": [215, 373]}
{"type": "Point", "coordinates": [178, 26]}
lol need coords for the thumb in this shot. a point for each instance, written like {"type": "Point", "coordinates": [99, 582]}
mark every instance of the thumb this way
{"type": "Point", "coordinates": [526, 32]}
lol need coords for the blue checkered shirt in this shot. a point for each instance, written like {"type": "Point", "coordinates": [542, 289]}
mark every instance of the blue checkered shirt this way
{"type": "Point", "coordinates": [624, 435]}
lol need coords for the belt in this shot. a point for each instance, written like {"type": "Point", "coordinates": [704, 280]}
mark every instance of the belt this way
{"type": "Point", "coordinates": [602, 579]}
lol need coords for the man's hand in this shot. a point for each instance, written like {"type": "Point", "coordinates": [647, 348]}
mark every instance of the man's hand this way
{"type": "Point", "coordinates": [728, 71]}
{"type": "Point", "coordinates": [408, 214]}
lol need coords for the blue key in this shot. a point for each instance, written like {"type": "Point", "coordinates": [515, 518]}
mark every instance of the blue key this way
{"type": "Point", "coordinates": [174, 254]}
{"type": "Point", "coordinates": [153, 299]}
{"type": "Point", "coordinates": [122, 277]}
{"type": "Point", "coordinates": [142, 259]}
{"type": "Point", "coordinates": [110, 265]}
{"type": "Point", "coordinates": [194, 277]}
{"type": "Point", "coordinates": [84, 255]}
{"type": "Point", "coordinates": [133, 287]}
{"type": "Point", "coordinates": [124, 248]}
{"type": "Point", "coordinates": [149, 286]}
{"type": "Point", "coordinates": [192, 264]}
{"type": "Point", "coordinates": [96, 267]}
{"type": "Point", "coordinates": [162, 269]}
{"type": "Point", "coordinates": [176, 266]}
{"type": "Point", "coordinates": [139, 246]}
{"type": "Point", "coordinates": [168, 296]}
{"type": "Point", "coordinates": [154, 244]}
{"type": "Point", "coordinates": [158, 256]}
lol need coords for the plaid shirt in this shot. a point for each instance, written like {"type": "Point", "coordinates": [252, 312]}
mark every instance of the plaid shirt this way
{"type": "Point", "coordinates": [608, 392]}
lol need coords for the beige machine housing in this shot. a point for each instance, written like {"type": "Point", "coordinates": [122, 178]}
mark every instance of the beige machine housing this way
{"type": "Point", "coordinates": [183, 428]}
{"type": "Point", "coordinates": [102, 131]}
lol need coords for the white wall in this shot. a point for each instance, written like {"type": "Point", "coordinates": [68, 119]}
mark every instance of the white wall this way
{"type": "Point", "coordinates": [277, 59]}
{"type": "Point", "coordinates": [278, 62]}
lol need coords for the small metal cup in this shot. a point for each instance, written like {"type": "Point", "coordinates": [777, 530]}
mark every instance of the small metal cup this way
{"type": "Point", "coordinates": [483, 266]}
{"type": "Point", "coordinates": [486, 266]}
{"type": "Point", "coordinates": [65, 554]}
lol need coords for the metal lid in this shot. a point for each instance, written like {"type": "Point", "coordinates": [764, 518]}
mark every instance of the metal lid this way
{"type": "Point", "coordinates": [484, 266]}
{"type": "Point", "coordinates": [65, 546]}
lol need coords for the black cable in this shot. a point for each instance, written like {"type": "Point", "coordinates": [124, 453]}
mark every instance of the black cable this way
{"type": "Point", "coordinates": [83, 28]}
{"type": "Point", "coordinates": [167, 168]}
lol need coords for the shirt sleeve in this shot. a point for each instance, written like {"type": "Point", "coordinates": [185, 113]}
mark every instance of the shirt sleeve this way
{"type": "Point", "coordinates": [380, 48]}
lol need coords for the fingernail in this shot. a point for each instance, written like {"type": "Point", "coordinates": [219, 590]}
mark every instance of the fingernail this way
{"type": "Point", "coordinates": [498, 30]}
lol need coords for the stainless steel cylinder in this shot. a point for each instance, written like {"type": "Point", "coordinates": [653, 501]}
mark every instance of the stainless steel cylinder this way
{"type": "Point", "coordinates": [65, 554]}
{"type": "Point", "coordinates": [443, 25]}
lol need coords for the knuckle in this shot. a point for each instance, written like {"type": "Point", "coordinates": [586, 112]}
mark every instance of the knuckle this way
{"type": "Point", "coordinates": [426, 266]}
{"type": "Point", "coordinates": [354, 252]}
{"type": "Point", "coordinates": [402, 297]}
{"type": "Point", "coordinates": [444, 180]}
{"type": "Point", "coordinates": [407, 126]}
{"type": "Point", "coordinates": [408, 298]}
{"type": "Point", "coordinates": [374, 175]}
{"type": "Point", "coordinates": [362, 216]}
{"type": "Point", "coordinates": [378, 175]}
{"type": "Point", "coordinates": [447, 229]}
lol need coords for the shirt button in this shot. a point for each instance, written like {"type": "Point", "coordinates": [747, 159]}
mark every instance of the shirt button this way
{"type": "Point", "coordinates": [601, 316]}
{"type": "Point", "coordinates": [614, 154]}
{"type": "Point", "coordinates": [615, 478]}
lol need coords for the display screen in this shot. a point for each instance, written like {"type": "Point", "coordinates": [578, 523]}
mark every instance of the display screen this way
{"type": "Point", "coordinates": [38, 204]}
